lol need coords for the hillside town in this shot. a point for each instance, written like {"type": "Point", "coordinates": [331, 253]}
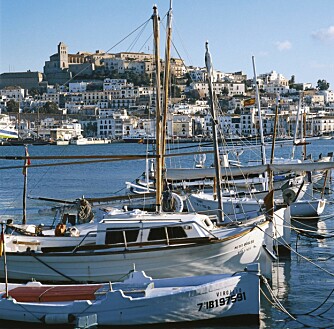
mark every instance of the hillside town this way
{"type": "Point", "coordinates": [110, 97]}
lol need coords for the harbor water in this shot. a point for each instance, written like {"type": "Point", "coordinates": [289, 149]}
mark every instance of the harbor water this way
{"type": "Point", "coordinates": [303, 282]}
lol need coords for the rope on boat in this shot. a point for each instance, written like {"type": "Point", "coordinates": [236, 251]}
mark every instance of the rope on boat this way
{"type": "Point", "coordinates": [278, 305]}
{"type": "Point", "coordinates": [53, 269]}
{"type": "Point", "coordinates": [27, 311]}
{"type": "Point", "coordinates": [318, 307]}
{"type": "Point", "coordinates": [297, 253]}
{"type": "Point", "coordinates": [276, 302]}
{"type": "Point", "coordinates": [85, 212]}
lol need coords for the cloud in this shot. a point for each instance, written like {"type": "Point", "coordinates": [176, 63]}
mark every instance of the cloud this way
{"type": "Point", "coordinates": [283, 45]}
{"type": "Point", "coordinates": [263, 53]}
{"type": "Point", "coordinates": [326, 34]}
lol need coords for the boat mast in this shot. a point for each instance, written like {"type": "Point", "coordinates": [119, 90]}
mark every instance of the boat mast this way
{"type": "Point", "coordinates": [3, 253]}
{"type": "Point", "coordinates": [25, 175]}
{"type": "Point", "coordinates": [158, 178]}
{"type": "Point", "coordinates": [209, 69]}
{"type": "Point", "coordinates": [296, 127]}
{"type": "Point", "coordinates": [304, 134]}
{"type": "Point", "coordinates": [258, 104]}
{"type": "Point", "coordinates": [166, 80]}
{"type": "Point", "coordinates": [271, 181]}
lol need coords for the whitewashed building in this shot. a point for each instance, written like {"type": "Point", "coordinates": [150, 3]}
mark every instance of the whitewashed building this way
{"type": "Point", "coordinates": [16, 94]}
{"type": "Point", "coordinates": [328, 96]}
{"type": "Point", "coordinates": [77, 87]}
{"type": "Point", "coordinates": [323, 125]}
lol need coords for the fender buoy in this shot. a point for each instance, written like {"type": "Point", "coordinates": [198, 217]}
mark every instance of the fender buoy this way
{"type": "Point", "coordinates": [74, 231]}
{"type": "Point", "coordinates": [177, 203]}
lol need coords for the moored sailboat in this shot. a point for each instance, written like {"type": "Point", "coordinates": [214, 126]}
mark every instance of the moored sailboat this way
{"type": "Point", "coordinates": [179, 244]}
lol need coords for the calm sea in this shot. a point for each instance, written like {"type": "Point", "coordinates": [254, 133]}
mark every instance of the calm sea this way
{"type": "Point", "coordinates": [305, 288]}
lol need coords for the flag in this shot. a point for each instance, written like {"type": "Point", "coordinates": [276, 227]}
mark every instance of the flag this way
{"type": "Point", "coordinates": [249, 101]}
{"type": "Point", "coordinates": [26, 162]}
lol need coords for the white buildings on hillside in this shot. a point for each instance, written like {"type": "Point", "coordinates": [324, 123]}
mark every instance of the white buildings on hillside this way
{"type": "Point", "coordinates": [328, 96]}
{"type": "Point", "coordinates": [220, 88]}
{"type": "Point", "coordinates": [52, 129]}
{"type": "Point", "coordinates": [17, 94]}
{"type": "Point", "coordinates": [77, 87]}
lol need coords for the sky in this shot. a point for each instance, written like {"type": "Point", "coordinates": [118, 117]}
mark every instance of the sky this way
{"type": "Point", "coordinates": [291, 37]}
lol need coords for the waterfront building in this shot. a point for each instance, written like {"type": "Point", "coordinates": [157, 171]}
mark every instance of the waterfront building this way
{"type": "Point", "coordinates": [52, 129]}
{"type": "Point", "coordinates": [182, 126]}
{"type": "Point", "coordinates": [323, 125]}
{"type": "Point", "coordinates": [117, 125]}
{"type": "Point", "coordinates": [230, 125]}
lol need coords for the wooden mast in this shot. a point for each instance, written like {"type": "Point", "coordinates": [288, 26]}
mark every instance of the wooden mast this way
{"type": "Point", "coordinates": [271, 181]}
{"type": "Point", "coordinates": [304, 135]}
{"type": "Point", "coordinates": [209, 69]}
{"type": "Point", "coordinates": [296, 126]}
{"type": "Point", "coordinates": [158, 177]}
{"type": "Point", "coordinates": [166, 81]}
{"type": "Point", "coordinates": [3, 253]}
{"type": "Point", "coordinates": [25, 174]}
{"type": "Point", "coordinates": [258, 104]}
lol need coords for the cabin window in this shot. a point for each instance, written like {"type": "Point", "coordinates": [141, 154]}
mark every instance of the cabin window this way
{"type": "Point", "coordinates": [159, 233]}
{"type": "Point", "coordinates": [114, 236]}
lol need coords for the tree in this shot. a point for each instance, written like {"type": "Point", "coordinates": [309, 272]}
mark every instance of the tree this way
{"type": "Point", "coordinates": [90, 129]}
{"type": "Point", "coordinates": [12, 106]}
{"type": "Point", "coordinates": [292, 81]}
{"type": "Point", "coordinates": [225, 91]}
{"type": "Point", "coordinates": [189, 79]}
{"type": "Point", "coordinates": [176, 91]}
{"type": "Point", "coordinates": [34, 92]}
{"type": "Point", "coordinates": [49, 108]}
{"type": "Point", "coordinates": [322, 85]}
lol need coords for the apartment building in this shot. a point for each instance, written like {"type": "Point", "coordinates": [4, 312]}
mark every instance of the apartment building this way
{"type": "Point", "coordinates": [16, 94]}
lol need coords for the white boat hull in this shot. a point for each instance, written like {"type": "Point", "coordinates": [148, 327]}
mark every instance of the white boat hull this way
{"type": "Point", "coordinates": [204, 202]}
{"type": "Point", "coordinates": [182, 299]}
{"type": "Point", "coordinates": [308, 208]}
{"type": "Point", "coordinates": [62, 142]}
{"type": "Point", "coordinates": [235, 248]}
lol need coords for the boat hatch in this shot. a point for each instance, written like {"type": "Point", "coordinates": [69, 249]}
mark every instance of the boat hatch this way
{"type": "Point", "coordinates": [54, 293]}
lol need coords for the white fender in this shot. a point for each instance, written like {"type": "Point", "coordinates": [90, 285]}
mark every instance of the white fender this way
{"type": "Point", "coordinates": [178, 202]}
{"type": "Point", "coordinates": [74, 231]}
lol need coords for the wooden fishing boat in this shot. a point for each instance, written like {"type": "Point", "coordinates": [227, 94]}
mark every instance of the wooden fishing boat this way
{"type": "Point", "coordinates": [162, 244]}
{"type": "Point", "coordinates": [138, 300]}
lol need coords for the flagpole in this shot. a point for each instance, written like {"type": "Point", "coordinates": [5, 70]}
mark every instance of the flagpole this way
{"type": "Point", "coordinates": [4, 256]}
